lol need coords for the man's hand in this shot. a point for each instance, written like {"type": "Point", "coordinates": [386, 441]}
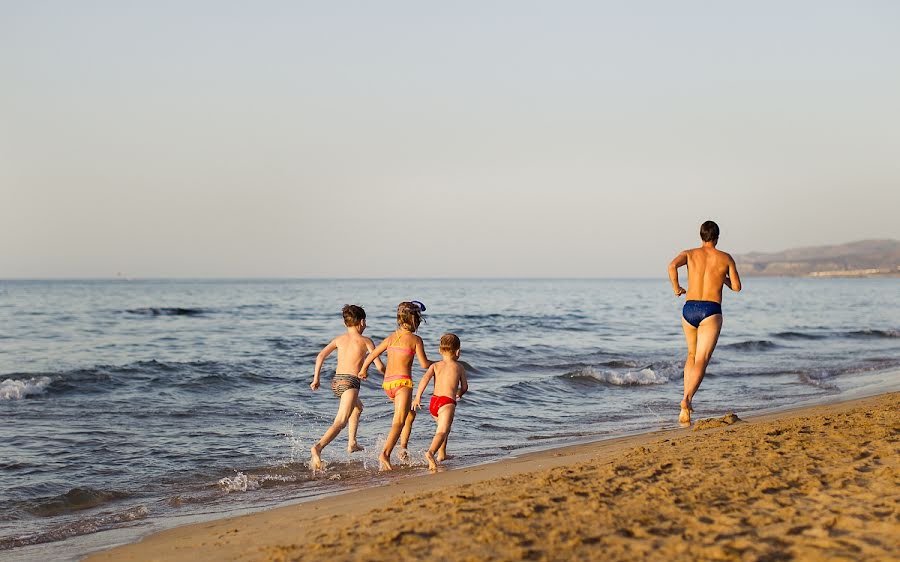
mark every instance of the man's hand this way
{"type": "Point", "coordinates": [679, 290]}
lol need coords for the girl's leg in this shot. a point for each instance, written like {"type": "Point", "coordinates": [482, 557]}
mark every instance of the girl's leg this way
{"type": "Point", "coordinates": [348, 401]}
{"type": "Point", "coordinates": [402, 400]}
{"type": "Point", "coordinates": [445, 420]}
{"type": "Point", "coordinates": [404, 435]}
{"type": "Point", "coordinates": [352, 445]}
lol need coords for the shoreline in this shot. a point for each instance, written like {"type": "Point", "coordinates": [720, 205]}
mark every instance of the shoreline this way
{"type": "Point", "coordinates": [279, 533]}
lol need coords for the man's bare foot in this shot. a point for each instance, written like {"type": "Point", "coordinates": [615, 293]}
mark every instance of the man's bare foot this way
{"type": "Point", "coordinates": [403, 455]}
{"type": "Point", "coordinates": [354, 447]}
{"type": "Point", "coordinates": [384, 462]}
{"type": "Point", "coordinates": [315, 461]}
{"type": "Point", "coordinates": [432, 466]}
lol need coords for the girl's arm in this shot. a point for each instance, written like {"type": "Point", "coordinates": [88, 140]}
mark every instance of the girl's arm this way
{"type": "Point", "coordinates": [423, 384]}
{"type": "Point", "coordinates": [420, 353]}
{"type": "Point", "coordinates": [463, 385]}
{"type": "Point", "coordinates": [371, 357]}
{"type": "Point", "coordinates": [320, 358]}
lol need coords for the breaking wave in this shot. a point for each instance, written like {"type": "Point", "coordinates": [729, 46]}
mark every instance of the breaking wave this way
{"type": "Point", "coordinates": [14, 389]}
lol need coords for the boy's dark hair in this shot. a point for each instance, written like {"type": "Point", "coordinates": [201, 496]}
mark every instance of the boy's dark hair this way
{"type": "Point", "coordinates": [709, 231]}
{"type": "Point", "coordinates": [449, 343]}
{"type": "Point", "coordinates": [409, 316]}
{"type": "Point", "coordinates": [353, 315]}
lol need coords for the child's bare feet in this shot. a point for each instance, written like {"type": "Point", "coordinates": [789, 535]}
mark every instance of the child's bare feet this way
{"type": "Point", "coordinates": [403, 455]}
{"type": "Point", "coordinates": [384, 462]}
{"type": "Point", "coordinates": [442, 456]}
{"type": "Point", "coordinates": [354, 447]}
{"type": "Point", "coordinates": [432, 466]}
{"type": "Point", "coordinates": [315, 462]}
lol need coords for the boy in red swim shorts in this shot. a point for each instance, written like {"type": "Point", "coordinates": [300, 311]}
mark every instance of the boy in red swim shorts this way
{"type": "Point", "coordinates": [449, 386]}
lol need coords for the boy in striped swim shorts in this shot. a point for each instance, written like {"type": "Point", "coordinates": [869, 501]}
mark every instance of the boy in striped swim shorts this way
{"type": "Point", "coordinates": [352, 348]}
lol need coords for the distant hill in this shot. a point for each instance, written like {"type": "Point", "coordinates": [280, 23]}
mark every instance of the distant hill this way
{"type": "Point", "coordinates": [866, 258]}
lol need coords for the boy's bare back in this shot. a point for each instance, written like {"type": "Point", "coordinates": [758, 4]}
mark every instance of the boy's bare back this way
{"type": "Point", "coordinates": [352, 350]}
{"type": "Point", "coordinates": [448, 376]}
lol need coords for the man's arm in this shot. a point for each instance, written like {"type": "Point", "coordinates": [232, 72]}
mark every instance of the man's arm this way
{"type": "Point", "coordinates": [680, 260]}
{"type": "Point", "coordinates": [733, 280]}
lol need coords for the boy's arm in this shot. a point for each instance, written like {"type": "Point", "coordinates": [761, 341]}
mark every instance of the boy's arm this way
{"type": "Point", "coordinates": [371, 357]}
{"type": "Point", "coordinates": [463, 384]}
{"type": "Point", "coordinates": [733, 280]}
{"type": "Point", "coordinates": [423, 384]}
{"type": "Point", "coordinates": [370, 345]}
{"type": "Point", "coordinates": [320, 358]}
{"type": "Point", "coordinates": [680, 260]}
{"type": "Point", "coordinates": [420, 353]}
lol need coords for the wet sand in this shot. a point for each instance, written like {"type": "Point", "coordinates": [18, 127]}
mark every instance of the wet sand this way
{"type": "Point", "coordinates": [819, 483]}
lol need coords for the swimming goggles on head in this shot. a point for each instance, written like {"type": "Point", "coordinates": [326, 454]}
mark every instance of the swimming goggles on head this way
{"type": "Point", "coordinates": [420, 305]}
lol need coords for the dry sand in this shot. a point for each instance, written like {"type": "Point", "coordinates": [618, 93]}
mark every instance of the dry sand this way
{"type": "Point", "coordinates": [819, 483]}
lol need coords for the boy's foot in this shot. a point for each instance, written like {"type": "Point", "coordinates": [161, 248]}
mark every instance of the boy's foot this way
{"type": "Point", "coordinates": [384, 462]}
{"type": "Point", "coordinates": [352, 448]}
{"type": "Point", "coordinates": [432, 466]}
{"type": "Point", "coordinates": [315, 461]}
{"type": "Point", "coordinates": [403, 455]}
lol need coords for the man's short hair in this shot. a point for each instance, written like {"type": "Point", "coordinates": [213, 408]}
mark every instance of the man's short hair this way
{"type": "Point", "coordinates": [449, 343]}
{"type": "Point", "coordinates": [709, 231]}
{"type": "Point", "coordinates": [353, 315]}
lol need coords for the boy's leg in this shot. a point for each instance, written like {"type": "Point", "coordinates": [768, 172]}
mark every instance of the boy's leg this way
{"type": "Point", "coordinates": [442, 452]}
{"type": "Point", "coordinates": [348, 401]}
{"type": "Point", "coordinates": [352, 445]}
{"type": "Point", "coordinates": [445, 420]}
{"type": "Point", "coordinates": [402, 400]}
{"type": "Point", "coordinates": [404, 435]}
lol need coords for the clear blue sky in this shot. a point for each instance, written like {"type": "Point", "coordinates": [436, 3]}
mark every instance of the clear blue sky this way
{"type": "Point", "coordinates": [438, 139]}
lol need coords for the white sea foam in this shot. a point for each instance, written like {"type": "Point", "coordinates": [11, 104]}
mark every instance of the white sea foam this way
{"type": "Point", "coordinates": [13, 389]}
{"type": "Point", "coordinates": [240, 483]}
{"type": "Point", "coordinates": [630, 378]}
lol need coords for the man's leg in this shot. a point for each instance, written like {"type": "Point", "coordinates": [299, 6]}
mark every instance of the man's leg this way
{"type": "Point", "coordinates": [690, 336]}
{"type": "Point", "coordinates": [707, 337]}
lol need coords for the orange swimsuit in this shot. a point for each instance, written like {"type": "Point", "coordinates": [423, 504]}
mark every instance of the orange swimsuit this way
{"type": "Point", "coordinates": [393, 383]}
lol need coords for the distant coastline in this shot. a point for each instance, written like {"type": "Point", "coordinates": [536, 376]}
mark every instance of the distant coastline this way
{"type": "Point", "coordinates": [865, 258]}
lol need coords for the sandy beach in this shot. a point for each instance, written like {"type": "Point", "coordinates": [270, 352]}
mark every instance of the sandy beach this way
{"type": "Point", "coordinates": [818, 483]}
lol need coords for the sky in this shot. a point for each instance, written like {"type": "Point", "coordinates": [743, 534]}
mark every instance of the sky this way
{"type": "Point", "coordinates": [425, 139]}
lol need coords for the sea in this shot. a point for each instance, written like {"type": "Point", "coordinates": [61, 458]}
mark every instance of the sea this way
{"type": "Point", "coordinates": [132, 406]}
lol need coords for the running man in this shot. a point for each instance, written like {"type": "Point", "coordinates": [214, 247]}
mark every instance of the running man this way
{"type": "Point", "coordinates": [708, 270]}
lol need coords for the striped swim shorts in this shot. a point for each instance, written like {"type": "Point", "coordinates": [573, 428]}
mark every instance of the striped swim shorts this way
{"type": "Point", "coordinates": [343, 383]}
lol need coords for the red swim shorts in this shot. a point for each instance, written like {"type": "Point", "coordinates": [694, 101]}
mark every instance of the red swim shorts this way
{"type": "Point", "coordinates": [438, 402]}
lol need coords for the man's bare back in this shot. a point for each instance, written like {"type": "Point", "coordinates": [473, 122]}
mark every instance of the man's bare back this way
{"type": "Point", "coordinates": [708, 271]}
